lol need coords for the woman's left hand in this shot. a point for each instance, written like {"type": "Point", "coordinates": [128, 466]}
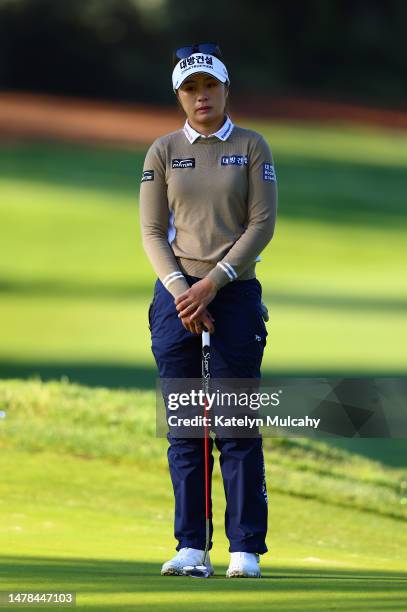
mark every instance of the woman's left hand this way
{"type": "Point", "coordinates": [194, 301]}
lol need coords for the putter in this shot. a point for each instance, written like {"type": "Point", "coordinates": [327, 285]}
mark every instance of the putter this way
{"type": "Point", "coordinates": [201, 571]}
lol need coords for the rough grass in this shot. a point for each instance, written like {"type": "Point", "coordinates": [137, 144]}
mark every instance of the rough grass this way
{"type": "Point", "coordinates": [99, 423]}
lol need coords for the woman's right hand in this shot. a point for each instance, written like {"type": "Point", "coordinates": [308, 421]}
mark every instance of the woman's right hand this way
{"type": "Point", "coordinates": [196, 325]}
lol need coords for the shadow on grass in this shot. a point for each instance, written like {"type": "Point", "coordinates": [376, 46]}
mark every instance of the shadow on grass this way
{"type": "Point", "coordinates": [66, 289]}
{"type": "Point", "coordinates": [311, 189]}
{"type": "Point", "coordinates": [323, 588]}
{"type": "Point", "coordinates": [114, 376]}
{"type": "Point", "coordinates": [30, 568]}
{"type": "Point", "coordinates": [339, 192]}
{"type": "Point", "coordinates": [113, 171]}
{"type": "Point", "coordinates": [390, 451]}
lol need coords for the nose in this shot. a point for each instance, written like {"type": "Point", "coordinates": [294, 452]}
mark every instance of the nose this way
{"type": "Point", "coordinates": [202, 93]}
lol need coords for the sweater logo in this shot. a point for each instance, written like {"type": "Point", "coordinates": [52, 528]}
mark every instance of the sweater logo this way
{"type": "Point", "coordinates": [148, 175]}
{"type": "Point", "coordinates": [233, 160]}
{"type": "Point", "coordinates": [186, 162]}
{"type": "Point", "coordinates": [269, 172]}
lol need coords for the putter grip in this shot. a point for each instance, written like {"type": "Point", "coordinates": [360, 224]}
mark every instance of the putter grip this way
{"type": "Point", "coordinates": [206, 338]}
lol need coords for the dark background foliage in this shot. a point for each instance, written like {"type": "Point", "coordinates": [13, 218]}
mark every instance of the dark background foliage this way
{"type": "Point", "coordinates": [121, 49]}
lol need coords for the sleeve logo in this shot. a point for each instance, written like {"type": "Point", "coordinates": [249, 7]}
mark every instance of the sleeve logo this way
{"type": "Point", "coordinates": [268, 172]}
{"type": "Point", "coordinates": [187, 162]}
{"type": "Point", "coordinates": [148, 175]}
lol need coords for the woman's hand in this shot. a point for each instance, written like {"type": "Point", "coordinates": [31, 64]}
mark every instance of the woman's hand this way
{"type": "Point", "coordinates": [196, 326]}
{"type": "Point", "coordinates": [193, 302]}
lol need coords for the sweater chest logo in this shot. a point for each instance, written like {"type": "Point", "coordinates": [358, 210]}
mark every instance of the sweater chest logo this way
{"type": "Point", "coordinates": [233, 160]}
{"type": "Point", "coordinates": [186, 162]}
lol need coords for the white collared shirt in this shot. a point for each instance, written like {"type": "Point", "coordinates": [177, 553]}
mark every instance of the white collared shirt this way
{"type": "Point", "coordinates": [223, 132]}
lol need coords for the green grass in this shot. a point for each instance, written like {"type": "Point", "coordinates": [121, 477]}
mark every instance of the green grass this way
{"type": "Point", "coordinates": [85, 496]}
{"type": "Point", "coordinates": [76, 284]}
{"type": "Point", "coordinates": [86, 505]}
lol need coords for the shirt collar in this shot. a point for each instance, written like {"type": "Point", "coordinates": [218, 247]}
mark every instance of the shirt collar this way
{"type": "Point", "coordinates": [223, 133]}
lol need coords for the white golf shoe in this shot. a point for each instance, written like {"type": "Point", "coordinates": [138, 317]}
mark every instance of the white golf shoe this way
{"type": "Point", "coordinates": [243, 565]}
{"type": "Point", "coordinates": [184, 557]}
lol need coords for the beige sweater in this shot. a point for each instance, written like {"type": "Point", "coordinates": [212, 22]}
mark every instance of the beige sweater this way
{"type": "Point", "coordinates": [207, 205]}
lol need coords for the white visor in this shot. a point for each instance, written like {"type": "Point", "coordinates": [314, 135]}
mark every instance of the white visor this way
{"type": "Point", "coordinates": [199, 62]}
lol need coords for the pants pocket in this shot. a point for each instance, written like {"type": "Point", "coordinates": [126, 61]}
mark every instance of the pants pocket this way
{"type": "Point", "coordinates": [150, 309]}
{"type": "Point", "coordinates": [254, 312]}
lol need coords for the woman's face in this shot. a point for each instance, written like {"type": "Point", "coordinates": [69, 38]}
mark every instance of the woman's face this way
{"type": "Point", "coordinates": [203, 98]}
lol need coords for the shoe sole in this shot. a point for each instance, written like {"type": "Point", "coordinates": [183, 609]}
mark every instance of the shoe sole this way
{"type": "Point", "coordinates": [238, 574]}
{"type": "Point", "coordinates": [172, 571]}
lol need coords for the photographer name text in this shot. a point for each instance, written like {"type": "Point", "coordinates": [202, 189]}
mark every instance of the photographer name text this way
{"type": "Point", "coordinates": [245, 421]}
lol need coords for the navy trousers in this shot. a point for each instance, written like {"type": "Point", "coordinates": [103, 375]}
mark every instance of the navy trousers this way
{"type": "Point", "coordinates": [236, 352]}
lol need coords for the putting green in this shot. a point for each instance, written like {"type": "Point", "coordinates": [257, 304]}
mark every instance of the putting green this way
{"type": "Point", "coordinates": [103, 531]}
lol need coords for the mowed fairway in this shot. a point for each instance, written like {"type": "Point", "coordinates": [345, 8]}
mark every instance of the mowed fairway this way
{"type": "Point", "coordinates": [86, 506]}
{"type": "Point", "coordinates": [76, 285]}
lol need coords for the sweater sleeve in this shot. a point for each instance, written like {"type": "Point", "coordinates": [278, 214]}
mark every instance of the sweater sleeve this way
{"type": "Point", "coordinates": [155, 220]}
{"type": "Point", "coordinates": [261, 217]}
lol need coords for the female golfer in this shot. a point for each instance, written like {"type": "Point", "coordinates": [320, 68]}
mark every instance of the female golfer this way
{"type": "Point", "coordinates": [208, 202]}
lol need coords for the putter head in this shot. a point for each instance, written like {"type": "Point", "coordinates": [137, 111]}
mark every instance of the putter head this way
{"type": "Point", "coordinates": [196, 571]}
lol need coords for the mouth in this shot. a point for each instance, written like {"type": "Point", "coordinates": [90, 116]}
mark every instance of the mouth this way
{"type": "Point", "coordinates": [203, 109]}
